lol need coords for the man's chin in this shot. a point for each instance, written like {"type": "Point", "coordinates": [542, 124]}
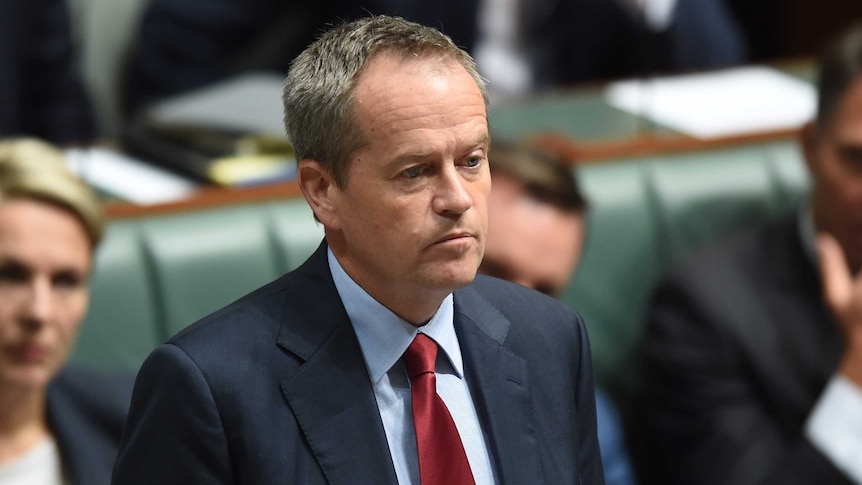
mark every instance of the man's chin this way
{"type": "Point", "coordinates": [450, 281]}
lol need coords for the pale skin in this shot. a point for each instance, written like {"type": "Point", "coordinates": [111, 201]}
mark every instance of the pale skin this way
{"type": "Point", "coordinates": [45, 258]}
{"type": "Point", "coordinates": [410, 224]}
{"type": "Point", "coordinates": [834, 158]}
{"type": "Point", "coordinates": [843, 293]}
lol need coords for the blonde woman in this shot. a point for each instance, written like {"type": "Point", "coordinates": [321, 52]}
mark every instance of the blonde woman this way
{"type": "Point", "coordinates": [57, 425]}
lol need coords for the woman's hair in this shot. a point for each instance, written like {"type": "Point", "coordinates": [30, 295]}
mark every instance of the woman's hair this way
{"type": "Point", "coordinates": [31, 169]}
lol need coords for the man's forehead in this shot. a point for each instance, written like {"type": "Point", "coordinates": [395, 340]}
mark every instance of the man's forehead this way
{"type": "Point", "coordinates": [400, 61]}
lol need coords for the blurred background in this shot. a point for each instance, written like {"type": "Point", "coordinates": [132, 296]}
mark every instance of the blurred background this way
{"type": "Point", "coordinates": [188, 85]}
{"type": "Point", "coordinates": [679, 118]}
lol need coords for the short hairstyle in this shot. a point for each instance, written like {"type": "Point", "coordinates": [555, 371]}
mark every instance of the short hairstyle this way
{"type": "Point", "coordinates": [319, 114]}
{"type": "Point", "coordinates": [31, 169]}
{"type": "Point", "coordinates": [545, 177]}
{"type": "Point", "coordinates": [840, 67]}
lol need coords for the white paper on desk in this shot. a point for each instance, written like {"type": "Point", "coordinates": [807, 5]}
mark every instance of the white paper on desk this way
{"type": "Point", "coordinates": [249, 103]}
{"type": "Point", "coordinates": [128, 178]}
{"type": "Point", "coordinates": [718, 104]}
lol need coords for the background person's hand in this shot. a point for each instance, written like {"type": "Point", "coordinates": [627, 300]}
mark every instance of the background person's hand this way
{"type": "Point", "coordinates": [843, 294]}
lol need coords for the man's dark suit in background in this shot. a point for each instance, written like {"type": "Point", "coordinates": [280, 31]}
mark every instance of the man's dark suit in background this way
{"type": "Point", "coordinates": [40, 92]}
{"type": "Point", "coordinates": [740, 348]}
{"type": "Point", "coordinates": [753, 349]}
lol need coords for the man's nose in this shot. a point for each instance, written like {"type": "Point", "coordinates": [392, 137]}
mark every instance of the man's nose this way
{"type": "Point", "coordinates": [452, 195]}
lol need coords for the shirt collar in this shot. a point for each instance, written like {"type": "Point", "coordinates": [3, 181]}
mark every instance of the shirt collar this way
{"type": "Point", "coordinates": [384, 336]}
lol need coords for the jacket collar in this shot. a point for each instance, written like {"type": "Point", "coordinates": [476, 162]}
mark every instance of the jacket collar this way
{"type": "Point", "coordinates": [330, 393]}
{"type": "Point", "coordinates": [333, 399]}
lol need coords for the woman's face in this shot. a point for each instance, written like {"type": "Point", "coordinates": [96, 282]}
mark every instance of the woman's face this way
{"type": "Point", "coordinates": [45, 259]}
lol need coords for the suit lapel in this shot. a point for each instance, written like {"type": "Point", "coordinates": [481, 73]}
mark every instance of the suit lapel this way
{"type": "Point", "coordinates": [331, 394]}
{"type": "Point", "coordinates": [498, 381]}
{"type": "Point", "coordinates": [791, 341]}
{"type": "Point", "coordinates": [811, 339]}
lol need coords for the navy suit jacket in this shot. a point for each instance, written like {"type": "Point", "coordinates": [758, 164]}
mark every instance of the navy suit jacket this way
{"type": "Point", "coordinates": [86, 411]}
{"type": "Point", "coordinates": [274, 389]}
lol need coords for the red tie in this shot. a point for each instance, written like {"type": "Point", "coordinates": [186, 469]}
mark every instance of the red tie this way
{"type": "Point", "coordinates": [442, 460]}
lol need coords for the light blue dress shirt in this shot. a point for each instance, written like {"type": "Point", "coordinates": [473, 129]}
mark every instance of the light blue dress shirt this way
{"type": "Point", "coordinates": [383, 337]}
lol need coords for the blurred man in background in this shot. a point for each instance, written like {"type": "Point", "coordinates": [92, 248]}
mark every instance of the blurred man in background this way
{"type": "Point", "coordinates": [753, 373]}
{"type": "Point", "coordinates": [535, 235]}
{"type": "Point", "coordinates": [520, 46]}
{"type": "Point", "coordinates": [41, 94]}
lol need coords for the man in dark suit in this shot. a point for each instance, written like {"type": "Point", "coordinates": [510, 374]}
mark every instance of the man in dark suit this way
{"type": "Point", "coordinates": [303, 380]}
{"type": "Point", "coordinates": [186, 45]}
{"type": "Point", "coordinates": [753, 373]}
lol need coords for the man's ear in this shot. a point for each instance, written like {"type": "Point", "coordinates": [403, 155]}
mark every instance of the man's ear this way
{"type": "Point", "coordinates": [808, 139]}
{"type": "Point", "coordinates": [320, 191]}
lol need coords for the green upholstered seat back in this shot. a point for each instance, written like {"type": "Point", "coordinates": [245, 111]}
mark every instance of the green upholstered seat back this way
{"type": "Point", "coordinates": [122, 324]}
{"type": "Point", "coordinates": [647, 214]}
{"type": "Point", "coordinates": [156, 275]}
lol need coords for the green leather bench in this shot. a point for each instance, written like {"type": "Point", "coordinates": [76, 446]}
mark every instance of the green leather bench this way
{"type": "Point", "coordinates": [157, 274]}
{"type": "Point", "coordinates": [648, 213]}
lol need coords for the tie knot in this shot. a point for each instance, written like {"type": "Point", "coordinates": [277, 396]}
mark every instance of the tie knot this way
{"type": "Point", "coordinates": [421, 356]}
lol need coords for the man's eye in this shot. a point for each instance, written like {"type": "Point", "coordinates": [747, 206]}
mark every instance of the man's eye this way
{"type": "Point", "coordinates": [473, 162]}
{"type": "Point", "coordinates": [413, 172]}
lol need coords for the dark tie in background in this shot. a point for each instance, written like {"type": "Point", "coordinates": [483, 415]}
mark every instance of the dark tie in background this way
{"type": "Point", "coordinates": [442, 460]}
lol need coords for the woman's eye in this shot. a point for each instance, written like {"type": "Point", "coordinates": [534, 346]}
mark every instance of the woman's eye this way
{"type": "Point", "coordinates": [67, 280]}
{"type": "Point", "coordinates": [13, 274]}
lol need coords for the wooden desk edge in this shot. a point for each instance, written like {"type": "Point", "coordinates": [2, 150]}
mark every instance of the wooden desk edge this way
{"type": "Point", "coordinates": [574, 153]}
{"type": "Point", "coordinates": [206, 198]}
{"type": "Point", "coordinates": [644, 146]}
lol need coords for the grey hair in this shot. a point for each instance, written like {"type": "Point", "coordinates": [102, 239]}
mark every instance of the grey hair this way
{"type": "Point", "coordinates": [319, 89]}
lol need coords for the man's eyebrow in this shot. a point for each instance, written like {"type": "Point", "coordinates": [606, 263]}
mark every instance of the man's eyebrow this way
{"type": "Point", "coordinates": [412, 156]}
{"type": "Point", "coordinates": [420, 155]}
{"type": "Point", "coordinates": [408, 158]}
{"type": "Point", "coordinates": [483, 140]}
